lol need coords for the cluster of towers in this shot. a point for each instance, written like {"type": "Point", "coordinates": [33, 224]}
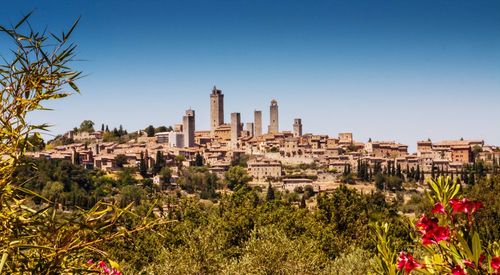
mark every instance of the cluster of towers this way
{"type": "Point", "coordinates": [254, 128]}
{"type": "Point", "coordinates": [184, 136]}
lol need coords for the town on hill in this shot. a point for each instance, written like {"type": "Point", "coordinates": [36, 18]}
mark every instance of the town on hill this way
{"type": "Point", "coordinates": [270, 156]}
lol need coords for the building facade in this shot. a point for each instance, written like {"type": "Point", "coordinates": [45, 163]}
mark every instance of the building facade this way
{"type": "Point", "coordinates": [188, 124]}
{"type": "Point", "coordinates": [274, 118]}
{"type": "Point", "coordinates": [216, 109]}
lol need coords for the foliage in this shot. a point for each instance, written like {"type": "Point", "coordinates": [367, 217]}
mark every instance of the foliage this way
{"type": "Point", "coordinates": [236, 177]}
{"type": "Point", "coordinates": [447, 237]}
{"type": "Point", "coordinates": [43, 239]}
{"type": "Point", "coordinates": [120, 160]}
{"type": "Point", "coordinates": [86, 126]}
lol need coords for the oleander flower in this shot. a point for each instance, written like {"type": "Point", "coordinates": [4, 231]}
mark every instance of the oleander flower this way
{"type": "Point", "coordinates": [407, 263]}
{"type": "Point", "coordinates": [458, 270]}
{"type": "Point", "coordinates": [495, 263]}
{"type": "Point", "coordinates": [438, 208]}
{"type": "Point", "coordinates": [431, 231]}
{"type": "Point", "coordinates": [465, 206]}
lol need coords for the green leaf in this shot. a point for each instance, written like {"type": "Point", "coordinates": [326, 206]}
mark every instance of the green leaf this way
{"type": "Point", "coordinates": [476, 247]}
{"type": "Point", "coordinates": [4, 259]}
{"type": "Point", "coordinates": [23, 20]}
{"type": "Point", "coordinates": [73, 85]}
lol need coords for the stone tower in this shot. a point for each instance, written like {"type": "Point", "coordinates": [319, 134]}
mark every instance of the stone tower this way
{"type": "Point", "coordinates": [235, 129]}
{"type": "Point", "coordinates": [250, 128]}
{"type": "Point", "coordinates": [257, 123]}
{"type": "Point", "coordinates": [216, 109]}
{"type": "Point", "coordinates": [188, 128]}
{"type": "Point", "coordinates": [273, 122]}
{"type": "Point", "coordinates": [297, 127]}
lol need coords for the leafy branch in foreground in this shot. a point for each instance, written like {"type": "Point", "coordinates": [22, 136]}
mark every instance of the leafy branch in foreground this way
{"type": "Point", "coordinates": [43, 239]}
{"type": "Point", "coordinates": [447, 238]}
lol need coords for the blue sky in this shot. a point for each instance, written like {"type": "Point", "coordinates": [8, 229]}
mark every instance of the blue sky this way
{"type": "Point", "coordinates": [389, 70]}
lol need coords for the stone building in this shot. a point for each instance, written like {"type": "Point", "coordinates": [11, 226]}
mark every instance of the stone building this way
{"type": "Point", "coordinates": [250, 127]}
{"type": "Point", "coordinates": [345, 138]}
{"type": "Point", "coordinates": [297, 127]}
{"type": "Point", "coordinates": [263, 169]}
{"type": "Point", "coordinates": [189, 128]}
{"type": "Point", "coordinates": [274, 118]}
{"type": "Point", "coordinates": [235, 129]}
{"type": "Point", "coordinates": [257, 123]}
{"type": "Point", "coordinates": [175, 140]}
{"type": "Point", "coordinates": [216, 109]}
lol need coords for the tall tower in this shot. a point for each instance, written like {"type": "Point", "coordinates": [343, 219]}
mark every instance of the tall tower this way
{"type": "Point", "coordinates": [188, 128]}
{"type": "Point", "coordinates": [250, 128]}
{"type": "Point", "coordinates": [257, 117]}
{"type": "Point", "coordinates": [216, 109]}
{"type": "Point", "coordinates": [273, 122]}
{"type": "Point", "coordinates": [235, 129]}
{"type": "Point", "coordinates": [297, 127]}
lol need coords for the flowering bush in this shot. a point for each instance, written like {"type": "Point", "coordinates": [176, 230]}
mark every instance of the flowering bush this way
{"type": "Point", "coordinates": [102, 267]}
{"type": "Point", "coordinates": [447, 236]}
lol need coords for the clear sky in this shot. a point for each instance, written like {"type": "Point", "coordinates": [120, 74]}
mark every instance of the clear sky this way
{"type": "Point", "coordinates": [390, 70]}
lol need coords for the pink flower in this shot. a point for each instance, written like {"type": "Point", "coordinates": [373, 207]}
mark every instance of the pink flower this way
{"type": "Point", "coordinates": [425, 224]}
{"type": "Point", "coordinates": [458, 270]}
{"type": "Point", "coordinates": [115, 272]}
{"type": "Point", "coordinates": [107, 270]}
{"type": "Point", "coordinates": [465, 206]}
{"type": "Point", "coordinates": [495, 263]}
{"type": "Point", "coordinates": [90, 262]}
{"type": "Point", "coordinates": [407, 263]}
{"type": "Point", "coordinates": [438, 208]}
{"type": "Point", "coordinates": [431, 231]}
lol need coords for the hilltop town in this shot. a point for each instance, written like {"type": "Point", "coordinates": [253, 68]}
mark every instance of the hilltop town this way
{"type": "Point", "coordinates": [288, 159]}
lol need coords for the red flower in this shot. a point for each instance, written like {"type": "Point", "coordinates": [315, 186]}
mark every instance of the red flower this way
{"type": "Point", "coordinates": [465, 206]}
{"type": "Point", "coordinates": [425, 224]}
{"type": "Point", "coordinates": [438, 208]}
{"type": "Point", "coordinates": [458, 270]}
{"type": "Point", "coordinates": [495, 263]}
{"type": "Point", "coordinates": [407, 263]}
{"type": "Point", "coordinates": [102, 264]}
{"type": "Point", "coordinates": [432, 232]}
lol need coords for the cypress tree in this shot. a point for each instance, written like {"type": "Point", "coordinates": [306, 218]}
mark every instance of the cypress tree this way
{"type": "Point", "coordinates": [270, 192]}
{"type": "Point", "coordinates": [142, 166]}
{"type": "Point", "coordinates": [302, 202]}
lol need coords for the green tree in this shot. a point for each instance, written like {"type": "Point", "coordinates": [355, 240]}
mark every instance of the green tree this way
{"type": "Point", "coordinates": [143, 168]}
{"type": "Point", "coordinates": [150, 131]}
{"type": "Point", "coordinates": [87, 126]}
{"type": "Point", "coordinates": [236, 177]}
{"type": "Point", "coordinates": [42, 240]}
{"type": "Point", "coordinates": [198, 160]}
{"type": "Point", "coordinates": [270, 192]}
{"type": "Point", "coordinates": [159, 163]}
{"type": "Point", "coordinates": [120, 160]}
{"type": "Point", "coordinates": [166, 176]}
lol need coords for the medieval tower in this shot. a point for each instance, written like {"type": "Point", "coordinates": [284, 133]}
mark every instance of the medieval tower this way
{"type": "Point", "coordinates": [297, 127]}
{"type": "Point", "coordinates": [235, 129]}
{"type": "Point", "coordinates": [216, 109]}
{"type": "Point", "coordinates": [189, 128]}
{"type": "Point", "coordinates": [257, 115]}
{"type": "Point", "coordinates": [273, 122]}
